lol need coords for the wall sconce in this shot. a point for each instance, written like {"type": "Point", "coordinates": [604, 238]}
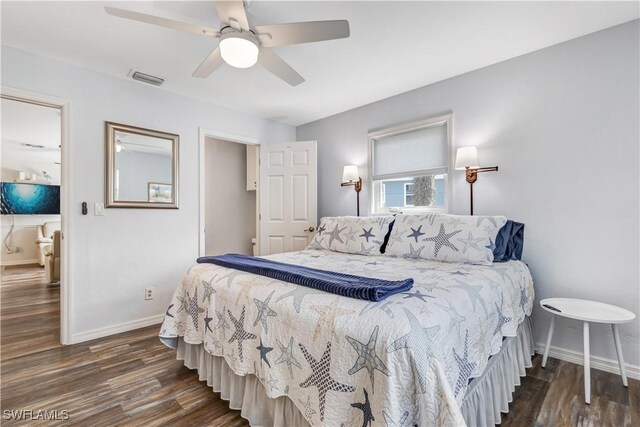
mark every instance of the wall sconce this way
{"type": "Point", "coordinates": [467, 160]}
{"type": "Point", "coordinates": [350, 176]}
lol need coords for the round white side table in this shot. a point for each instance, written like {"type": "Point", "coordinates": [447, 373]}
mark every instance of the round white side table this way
{"type": "Point", "coordinates": [588, 312]}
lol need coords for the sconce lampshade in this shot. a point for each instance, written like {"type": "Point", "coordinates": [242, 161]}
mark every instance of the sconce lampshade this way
{"type": "Point", "coordinates": [467, 157]}
{"type": "Point", "coordinates": [350, 173]}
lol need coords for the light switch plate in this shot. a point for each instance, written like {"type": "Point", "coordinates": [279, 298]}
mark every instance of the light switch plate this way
{"type": "Point", "coordinates": [98, 209]}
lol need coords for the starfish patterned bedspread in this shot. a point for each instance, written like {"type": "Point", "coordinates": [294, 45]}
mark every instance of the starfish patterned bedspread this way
{"type": "Point", "coordinates": [406, 360]}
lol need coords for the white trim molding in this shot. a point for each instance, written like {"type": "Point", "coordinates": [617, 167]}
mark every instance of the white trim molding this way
{"type": "Point", "coordinates": [597, 362]}
{"type": "Point", "coordinates": [117, 328]}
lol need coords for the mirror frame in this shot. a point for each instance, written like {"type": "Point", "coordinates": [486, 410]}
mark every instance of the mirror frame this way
{"type": "Point", "coordinates": [110, 130]}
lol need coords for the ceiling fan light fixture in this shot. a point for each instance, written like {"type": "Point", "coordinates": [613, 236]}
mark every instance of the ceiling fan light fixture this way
{"type": "Point", "coordinates": [239, 50]}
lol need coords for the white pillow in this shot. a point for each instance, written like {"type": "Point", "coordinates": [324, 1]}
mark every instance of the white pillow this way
{"type": "Point", "coordinates": [352, 234]}
{"type": "Point", "coordinates": [441, 237]}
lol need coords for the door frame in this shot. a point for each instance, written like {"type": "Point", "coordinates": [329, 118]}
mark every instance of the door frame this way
{"type": "Point", "coordinates": [66, 227]}
{"type": "Point", "coordinates": [226, 136]}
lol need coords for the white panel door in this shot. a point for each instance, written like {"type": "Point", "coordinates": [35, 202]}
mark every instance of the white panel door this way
{"type": "Point", "coordinates": [288, 197]}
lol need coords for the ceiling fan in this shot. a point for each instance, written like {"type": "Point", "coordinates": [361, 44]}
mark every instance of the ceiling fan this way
{"type": "Point", "coordinates": [242, 45]}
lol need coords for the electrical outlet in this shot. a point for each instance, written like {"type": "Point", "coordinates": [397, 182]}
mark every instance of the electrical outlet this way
{"type": "Point", "coordinates": [148, 293]}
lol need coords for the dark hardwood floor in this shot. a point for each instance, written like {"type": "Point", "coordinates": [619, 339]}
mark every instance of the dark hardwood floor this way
{"type": "Point", "coordinates": [133, 379]}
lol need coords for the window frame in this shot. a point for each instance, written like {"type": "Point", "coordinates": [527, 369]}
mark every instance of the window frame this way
{"type": "Point", "coordinates": [406, 193]}
{"type": "Point", "coordinates": [440, 120]}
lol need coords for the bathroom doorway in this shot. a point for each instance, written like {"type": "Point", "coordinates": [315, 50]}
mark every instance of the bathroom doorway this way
{"type": "Point", "coordinates": [229, 195]}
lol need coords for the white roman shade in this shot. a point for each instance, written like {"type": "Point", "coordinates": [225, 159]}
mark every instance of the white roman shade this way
{"type": "Point", "coordinates": [416, 152]}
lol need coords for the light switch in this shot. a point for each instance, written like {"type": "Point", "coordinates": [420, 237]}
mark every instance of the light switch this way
{"type": "Point", "coordinates": [99, 209]}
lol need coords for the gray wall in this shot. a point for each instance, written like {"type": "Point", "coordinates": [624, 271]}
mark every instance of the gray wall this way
{"type": "Point", "coordinates": [230, 210]}
{"type": "Point", "coordinates": [562, 124]}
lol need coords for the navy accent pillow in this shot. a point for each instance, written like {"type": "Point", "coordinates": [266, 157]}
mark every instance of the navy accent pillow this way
{"type": "Point", "coordinates": [386, 237]}
{"type": "Point", "coordinates": [509, 242]}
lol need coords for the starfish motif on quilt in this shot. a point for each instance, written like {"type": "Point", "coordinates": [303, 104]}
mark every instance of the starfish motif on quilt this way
{"type": "Point", "coordinates": [298, 295]}
{"type": "Point", "coordinates": [367, 234]}
{"type": "Point", "coordinates": [491, 219]}
{"type": "Point", "coordinates": [264, 350]}
{"type": "Point", "coordinates": [230, 276]}
{"type": "Point", "coordinates": [321, 376]}
{"type": "Point", "coordinates": [367, 357]}
{"type": "Point", "coordinates": [167, 312]}
{"type": "Point", "coordinates": [503, 273]}
{"type": "Point", "coordinates": [335, 234]}
{"type": "Point", "coordinates": [308, 408]}
{"type": "Point", "coordinates": [264, 312]}
{"type": "Point", "coordinates": [473, 291]}
{"type": "Point", "coordinates": [416, 232]}
{"type": "Point", "coordinates": [432, 286]}
{"type": "Point", "coordinates": [222, 322]}
{"type": "Point", "coordinates": [194, 309]}
{"type": "Point", "coordinates": [321, 229]}
{"type": "Point", "coordinates": [469, 242]}
{"type": "Point", "coordinates": [207, 320]}
{"type": "Point", "coordinates": [327, 316]}
{"type": "Point", "coordinates": [391, 421]}
{"type": "Point", "coordinates": [363, 249]}
{"type": "Point", "coordinates": [420, 341]}
{"type": "Point", "coordinates": [524, 298]}
{"type": "Point", "coordinates": [413, 253]}
{"type": "Point", "coordinates": [416, 294]}
{"type": "Point", "coordinates": [365, 407]}
{"type": "Point", "coordinates": [287, 356]}
{"type": "Point", "coordinates": [208, 290]}
{"type": "Point", "coordinates": [240, 334]}
{"type": "Point", "coordinates": [183, 304]}
{"type": "Point", "coordinates": [384, 306]}
{"type": "Point", "coordinates": [351, 236]}
{"type": "Point", "coordinates": [442, 239]}
{"type": "Point", "coordinates": [272, 382]}
{"type": "Point", "coordinates": [465, 366]}
{"type": "Point", "coordinates": [454, 317]}
{"type": "Point", "coordinates": [502, 320]}
{"type": "Point", "coordinates": [491, 246]}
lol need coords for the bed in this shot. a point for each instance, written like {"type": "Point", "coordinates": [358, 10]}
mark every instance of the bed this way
{"type": "Point", "coordinates": [288, 354]}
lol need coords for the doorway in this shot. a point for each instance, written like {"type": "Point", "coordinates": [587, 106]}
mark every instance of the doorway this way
{"type": "Point", "coordinates": [33, 288]}
{"type": "Point", "coordinates": [229, 196]}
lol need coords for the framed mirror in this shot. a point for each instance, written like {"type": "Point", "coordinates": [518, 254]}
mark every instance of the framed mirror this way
{"type": "Point", "coordinates": [142, 167]}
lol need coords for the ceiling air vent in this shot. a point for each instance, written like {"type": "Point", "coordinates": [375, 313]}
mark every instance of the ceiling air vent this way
{"type": "Point", "coordinates": [146, 78]}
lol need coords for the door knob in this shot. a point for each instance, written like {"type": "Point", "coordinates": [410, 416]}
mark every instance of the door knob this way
{"type": "Point", "coordinates": [310, 229]}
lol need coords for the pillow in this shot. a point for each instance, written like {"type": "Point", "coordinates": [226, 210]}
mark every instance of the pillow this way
{"type": "Point", "coordinates": [450, 238]}
{"type": "Point", "coordinates": [509, 242]}
{"type": "Point", "coordinates": [352, 234]}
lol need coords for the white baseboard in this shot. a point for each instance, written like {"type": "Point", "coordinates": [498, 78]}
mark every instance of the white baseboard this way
{"type": "Point", "coordinates": [608, 365]}
{"type": "Point", "coordinates": [116, 329]}
{"type": "Point", "coordinates": [20, 262]}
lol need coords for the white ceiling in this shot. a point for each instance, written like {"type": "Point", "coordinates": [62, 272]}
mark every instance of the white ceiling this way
{"type": "Point", "coordinates": [25, 123]}
{"type": "Point", "coordinates": [394, 46]}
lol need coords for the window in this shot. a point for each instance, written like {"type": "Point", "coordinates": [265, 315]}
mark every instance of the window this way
{"type": "Point", "coordinates": [409, 166]}
{"type": "Point", "coordinates": [408, 193]}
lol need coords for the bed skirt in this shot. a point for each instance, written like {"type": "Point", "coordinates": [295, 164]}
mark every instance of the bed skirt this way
{"type": "Point", "coordinates": [487, 397]}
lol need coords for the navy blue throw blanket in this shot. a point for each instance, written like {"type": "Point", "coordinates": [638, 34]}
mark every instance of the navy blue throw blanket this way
{"type": "Point", "coordinates": [509, 242]}
{"type": "Point", "coordinates": [347, 285]}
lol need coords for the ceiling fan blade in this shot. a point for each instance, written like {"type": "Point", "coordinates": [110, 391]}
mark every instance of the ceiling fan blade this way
{"type": "Point", "coordinates": [232, 12]}
{"type": "Point", "coordinates": [163, 22]}
{"type": "Point", "coordinates": [272, 62]}
{"type": "Point", "coordinates": [302, 32]}
{"type": "Point", "coordinates": [209, 65]}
